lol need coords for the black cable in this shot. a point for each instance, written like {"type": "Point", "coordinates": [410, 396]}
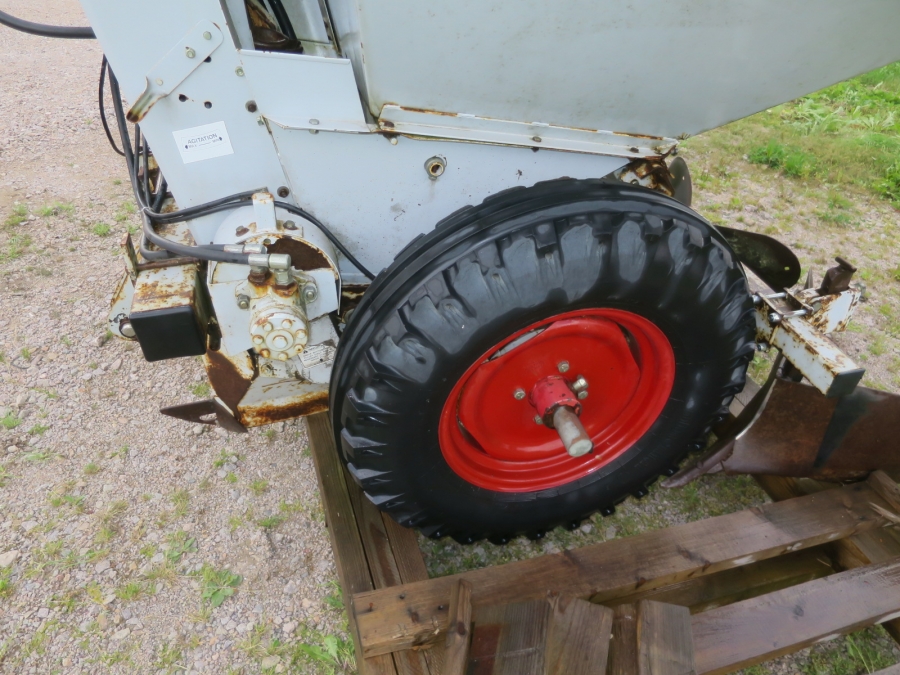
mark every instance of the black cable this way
{"type": "Point", "coordinates": [104, 66]}
{"type": "Point", "coordinates": [42, 29]}
{"type": "Point", "coordinates": [297, 211]}
{"type": "Point", "coordinates": [284, 21]}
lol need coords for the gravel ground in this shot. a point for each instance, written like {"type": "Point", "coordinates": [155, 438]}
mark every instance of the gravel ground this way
{"type": "Point", "coordinates": [115, 520]}
{"type": "Point", "coordinates": [109, 510]}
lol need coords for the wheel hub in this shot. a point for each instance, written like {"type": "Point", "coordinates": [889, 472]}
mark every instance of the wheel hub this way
{"type": "Point", "coordinates": [505, 424]}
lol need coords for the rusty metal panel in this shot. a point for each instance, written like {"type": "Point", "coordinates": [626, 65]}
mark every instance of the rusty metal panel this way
{"type": "Point", "coordinates": [802, 433]}
{"type": "Point", "coordinates": [271, 400]}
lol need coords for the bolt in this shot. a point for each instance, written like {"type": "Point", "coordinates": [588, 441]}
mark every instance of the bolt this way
{"type": "Point", "coordinates": [300, 334]}
{"type": "Point", "coordinates": [282, 356]}
{"type": "Point", "coordinates": [774, 318]}
{"type": "Point", "coordinates": [538, 420]}
{"type": "Point", "coordinates": [268, 327]}
{"type": "Point", "coordinates": [239, 71]}
{"type": "Point", "coordinates": [762, 346]}
{"type": "Point", "coordinates": [519, 394]}
{"type": "Point", "coordinates": [243, 302]}
{"type": "Point", "coordinates": [756, 299]}
{"type": "Point", "coordinates": [563, 366]}
{"type": "Point", "coordinates": [159, 81]}
{"type": "Point", "coordinates": [207, 35]}
{"type": "Point", "coordinates": [284, 191]}
{"type": "Point", "coordinates": [310, 293]}
{"type": "Point", "coordinates": [190, 53]}
{"type": "Point", "coordinates": [314, 122]}
{"type": "Point", "coordinates": [536, 139]}
{"type": "Point", "coordinates": [393, 140]}
{"type": "Point", "coordinates": [126, 329]}
{"type": "Point", "coordinates": [287, 323]}
{"type": "Point", "coordinates": [251, 106]}
{"type": "Point", "coordinates": [279, 342]}
{"type": "Point", "coordinates": [580, 384]}
{"type": "Point", "coordinates": [264, 353]}
{"type": "Point", "coordinates": [260, 121]}
{"type": "Point", "coordinates": [257, 339]}
{"type": "Point", "coordinates": [582, 395]}
{"type": "Point", "coordinates": [290, 225]}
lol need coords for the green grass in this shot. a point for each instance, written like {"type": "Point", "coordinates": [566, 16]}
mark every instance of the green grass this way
{"type": "Point", "coordinates": [10, 421]}
{"type": "Point", "coordinates": [56, 209]}
{"type": "Point", "coordinates": [259, 486]}
{"type": "Point", "coordinates": [92, 468]}
{"type": "Point", "coordinates": [201, 389]}
{"type": "Point", "coordinates": [17, 216]}
{"type": "Point", "coordinates": [270, 522]}
{"type": "Point", "coordinates": [179, 543]}
{"type": "Point", "coordinates": [38, 429]}
{"type": "Point", "coordinates": [101, 229]}
{"type": "Point", "coordinates": [6, 585]}
{"type": "Point", "coordinates": [16, 246]}
{"type": "Point", "coordinates": [217, 585]}
{"type": "Point", "coordinates": [180, 500]}
{"type": "Point", "coordinates": [131, 591]}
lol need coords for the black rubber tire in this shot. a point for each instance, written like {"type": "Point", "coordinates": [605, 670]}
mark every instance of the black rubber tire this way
{"type": "Point", "coordinates": [561, 245]}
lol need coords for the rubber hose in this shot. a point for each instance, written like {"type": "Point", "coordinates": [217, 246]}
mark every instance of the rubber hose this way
{"type": "Point", "coordinates": [42, 29]}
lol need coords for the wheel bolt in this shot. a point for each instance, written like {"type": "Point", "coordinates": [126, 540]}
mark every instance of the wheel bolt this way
{"type": "Point", "coordinates": [582, 395]}
{"type": "Point", "coordinates": [519, 394]}
{"type": "Point", "coordinates": [563, 366]}
{"type": "Point", "coordinates": [580, 384]}
{"type": "Point", "coordinates": [538, 420]}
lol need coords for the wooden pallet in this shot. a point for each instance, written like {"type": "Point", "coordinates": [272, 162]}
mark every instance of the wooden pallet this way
{"type": "Point", "coordinates": [693, 598]}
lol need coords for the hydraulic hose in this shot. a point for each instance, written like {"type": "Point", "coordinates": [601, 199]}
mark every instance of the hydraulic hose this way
{"type": "Point", "coordinates": [42, 29]}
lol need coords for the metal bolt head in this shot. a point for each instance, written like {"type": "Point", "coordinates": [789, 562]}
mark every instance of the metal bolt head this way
{"type": "Point", "coordinates": [579, 384]}
{"type": "Point", "coordinates": [282, 356]}
{"type": "Point", "coordinates": [774, 318]}
{"type": "Point", "coordinates": [243, 302]}
{"type": "Point", "coordinates": [190, 53]}
{"type": "Point", "coordinates": [126, 329]}
{"type": "Point", "coordinates": [538, 420]}
{"type": "Point", "coordinates": [207, 35]}
{"type": "Point", "coordinates": [268, 327]}
{"type": "Point", "coordinates": [519, 394]}
{"type": "Point", "coordinates": [251, 106]}
{"type": "Point", "coordinates": [239, 71]}
{"type": "Point", "coordinates": [393, 140]}
{"type": "Point", "coordinates": [536, 139]}
{"type": "Point", "coordinates": [257, 339]}
{"type": "Point", "coordinates": [265, 353]}
{"type": "Point", "coordinates": [284, 191]}
{"type": "Point", "coordinates": [310, 293]}
{"type": "Point", "coordinates": [563, 366]}
{"type": "Point", "coordinates": [261, 122]}
{"type": "Point", "coordinates": [279, 341]}
{"type": "Point", "coordinates": [314, 122]}
{"type": "Point", "coordinates": [582, 395]}
{"type": "Point", "coordinates": [287, 323]}
{"type": "Point", "coordinates": [159, 81]}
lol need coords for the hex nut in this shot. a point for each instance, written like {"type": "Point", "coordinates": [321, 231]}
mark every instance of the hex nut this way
{"type": "Point", "coordinates": [239, 71]}
{"type": "Point", "coordinates": [310, 293]}
{"type": "Point", "coordinates": [243, 301]}
{"type": "Point", "coordinates": [190, 53]}
{"type": "Point", "coordinates": [519, 394]}
{"type": "Point", "coordinates": [284, 191]}
{"type": "Point", "coordinates": [563, 366]}
{"type": "Point", "coordinates": [251, 106]}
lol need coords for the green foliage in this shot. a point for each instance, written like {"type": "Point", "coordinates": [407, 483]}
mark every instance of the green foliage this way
{"type": "Point", "coordinates": [270, 522]}
{"type": "Point", "coordinates": [259, 486]}
{"type": "Point", "coordinates": [38, 430]}
{"type": "Point", "coordinates": [92, 468]}
{"type": "Point", "coordinates": [17, 216]}
{"type": "Point", "coordinates": [101, 229]}
{"type": "Point", "coordinates": [201, 389]}
{"type": "Point", "coordinates": [333, 652]}
{"type": "Point", "coordinates": [792, 161]}
{"type": "Point", "coordinates": [217, 585]}
{"type": "Point", "coordinates": [10, 421]}
{"type": "Point", "coordinates": [179, 543]}
{"type": "Point", "coordinates": [16, 246]}
{"type": "Point", "coordinates": [889, 186]}
{"type": "Point", "coordinates": [130, 591]}
{"type": "Point", "coordinates": [6, 584]}
{"type": "Point", "coordinates": [56, 209]}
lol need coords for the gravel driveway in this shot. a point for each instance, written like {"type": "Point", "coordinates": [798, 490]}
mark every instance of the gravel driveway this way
{"type": "Point", "coordinates": [115, 521]}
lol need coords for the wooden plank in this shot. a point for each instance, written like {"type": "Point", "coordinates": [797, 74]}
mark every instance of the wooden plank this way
{"type": "Point", "coordinates": [665, 643]}
{"type": "Point", "coordinates": [382, 565]}
{"type": "Point", "coordinates": [740, 583]}
{"type": "Point", "coordinates": [860, 549]}
{"type": "Point", "coordinates": [349, 556]}
{"type": "Point", "coordinates": [748, 632]}
{"type": "Point", "coordinates": [577, 638]}
{"type": "Point", "coordinates": [456, 655]}
{"type": "Point", "coordinates": [623, 647]}
{"type": "Point", "coordinates": [416, 613]}
{"type": "Point", "coordinates": [510, 639]}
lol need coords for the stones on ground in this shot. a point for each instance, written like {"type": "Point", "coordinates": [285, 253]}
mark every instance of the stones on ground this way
{"type": "Point", "coordinates": [269, 662]}
{"type": "Point", "coordinates": [121, 634]}
{"type": "Point", "coordinates": [103, 621]}
{"type": "Point", "coordinates": [29, 525]}
{"type": "Point", "coordinates": [610, 532]}
{"type": "Point", "coordinates": [8, 558]}
{"type": "Point", "coordinates": [291, 588]}
{"type": "Point", "coordinates": [101, 566]}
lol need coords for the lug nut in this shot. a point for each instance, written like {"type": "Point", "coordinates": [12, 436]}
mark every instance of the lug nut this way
{"type": "Point", "coordinates": [774, 318]}
{"type": "Point", "coordinates": [257, 339]}
{"type": "Point", "coordinates": [279, 342]}
{"type": "Point", "coordinates": [282, 356]}
{"type": "Point", "coordinates": [268, 327]}
{"type": "Point", "coordinates": [310, 293]}
{"type": "Point", "coordinates": [287, 323]}
{"type": "Point", "coordinates": [579, 384]}
{"type": "Point", "coordinates": [265, 353]}
{"type": "Point", "coordinates": [519, 394]}
{"type": "Point", "coordinates": [582, 395]}
{"type": "Point", "coordinates": [538, 420]}
{"type": "Point", "coordinates": [563, 366]}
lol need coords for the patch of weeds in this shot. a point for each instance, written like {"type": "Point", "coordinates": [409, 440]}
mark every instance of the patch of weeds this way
{"type": "Point", "coordinates": [335, 599]}
{"type": "Point", "coordinates": [109, 521]}
{"type": "Point", "coordinates": [56, 209]}
{"type": "Point", "coordinates": [130, 591]}
{"type": "Point", "coordinates": [148, 550]}
{"type": "Point", "coordinates": [863, 652]}
{"type": "Point", "coordinates": [231, 478]}
{"type": "Point", "coordinates": [332, 651]}
{"type": "Point", "coordinates": [217, 585]}
{"type": "Point", "coordinates": [180, 500]}
{"type": "Point", "coordinates": [234, 522]}
{"type": "Point", "coordinates": [37, 456]}
{"type": "Point", "coordinates": [179, 543]}
{"type": "Point", "coordinates": [38, 430]}
{"type": "Point", "coordinates": [289, 507]}
{"type": "Point", "coordinates": [879, 346]}
{"type": "Point", "coordinates": [4, 476]}
{"type": "Point", "coordinates": [17, 216]}
{"type": "Point", "coordinates": [259, 486]}
{"type": "Point", "coordinates": [269, 434]}
{"type": "Point", "coordinates": [101, 229]}
{"type": "Point", "coordinates": [10, 421]}
{"type": "Point", "coordinates": [170, 658]}
{"type": "Point", "coordinates": [224, 458]}
{"type": "Point", "coordinates": [92, 468]}
{"type": "Point", "coordinates": [889, 186]}
{"type": "Point", "coordinates": [16, 246]}
{"type": "Point", "coordinates": [270, 522]}
{"type": "Point", "coordinates": [165, 571]}
{"type": "Point", "coordinates": [201, 389]}
{"type": "Point", "coordinates": [94, 592]}
{"type": "Point", "coordinates": [66, 602]}
{"type": "Point", "coordinates": [6, 585]}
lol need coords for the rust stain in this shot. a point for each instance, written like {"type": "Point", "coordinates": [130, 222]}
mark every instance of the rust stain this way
{"type": "Point", "coordinates": [151, 295]}
{"type": "Point", "coordinates": [631, 135]}
{"type": "Point", "coordinates": [304, 256]}
{"type": "Point", "coordinates": [227, 381]}
{"type": "Point", "coordinates": [297, 406]}
{"type": "Point", "coordinates": [428, 112]}
{"type": "Point", "coordinates": [351, 295]}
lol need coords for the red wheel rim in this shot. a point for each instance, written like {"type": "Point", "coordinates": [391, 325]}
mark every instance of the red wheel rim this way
{"type": "Point", "coordinates": [491, 439]}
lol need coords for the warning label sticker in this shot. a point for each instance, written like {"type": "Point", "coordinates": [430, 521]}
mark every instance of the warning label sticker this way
{"type": "Point", "coordinates": [316, 354]}
{"type": "Point", "coordinates": [199, 143]}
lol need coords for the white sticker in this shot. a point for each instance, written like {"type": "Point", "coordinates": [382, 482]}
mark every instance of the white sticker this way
{"type": "Point", "coordinates": [199, 143]}
{"type": "Point", "coordinates": [316, 354]}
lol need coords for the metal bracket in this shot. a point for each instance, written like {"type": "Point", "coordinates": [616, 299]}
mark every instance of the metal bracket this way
{"type": "Point", "coordinates": [182, 60]}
